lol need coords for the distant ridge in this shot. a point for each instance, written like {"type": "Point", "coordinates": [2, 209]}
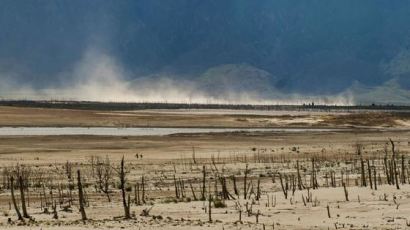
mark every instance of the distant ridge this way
{"type": "Point", "coordinates": [90, 105]}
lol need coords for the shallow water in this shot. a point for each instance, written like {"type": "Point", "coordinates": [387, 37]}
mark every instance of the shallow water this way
{"type": "Point", "coordinates": [103, 131]}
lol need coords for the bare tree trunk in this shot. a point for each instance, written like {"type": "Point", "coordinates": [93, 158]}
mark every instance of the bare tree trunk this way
{"type": "Point", "coordinates": [136, 194]}
{"type": "Point", "coordinates": [193, 191]}
{"type": "Point", "coordinates": [285, 192]}
{"type": "Point", "coordinates": [369, 169]}
{"type": "Point", "coordinates": [313, 178]}
{"type": "Point", "coordinates": [122, 185]}
{"type": "Point", "coordinates": [23, 198]}
{"type": "Point", "coordinates": [396, 174]}
{"type": "Point", "coordinates": [375, 179]}
{"type": "Point", "coordinates": [143, 190]}
{"type": "Point", "coordinates": [345, 190]}
{"type": "Point", "coordinates": [176, 188]}
{"type": "Point", "coordinates": [182, 187]}
{"type": "Point", "coordinates": [13, 198]}
{"type": "Point", "coordinates": [258, 190]}
{"type": "Point", "coordinates": [394, 164]}
{"type": "Point", "coordinates": [210, 208]}
{"type": "Point", "coordinates": [386, 170]}
{"type": "Point", "coordinates": [391, 173]}
{"type": "Point", "coordinates": [403, 170]}
{"type": "Point", "coordinates": [300, 184]}
{"type": "Point", "coordinates": [55, 214]}
{"type": "Point", "coordinates": [203, 182]}
{"type": "Point", "coordinates": [81, 196]}
{"type": "Point", "coordinates": [244, 182]}
{"type": "Point", "coordinates": [235, 189]}
{"type": "Point", "coordinates": [363, 172]}
{"type": "Point", "coordinates": [193, 155]}
{"type": "Point", "coordinates": [328, 211]}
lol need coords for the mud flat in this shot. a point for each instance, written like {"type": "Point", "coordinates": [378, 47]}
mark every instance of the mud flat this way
{"type": "Point", "coordinates": [107, 131]}
{"type": "Point", "coordinates": [40, 117]}
{"type": "Point", "coordinates": [335, 178]}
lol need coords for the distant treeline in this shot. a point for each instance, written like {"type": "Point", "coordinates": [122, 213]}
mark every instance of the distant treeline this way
{"type": "Point", "coordinates": [89, 105]}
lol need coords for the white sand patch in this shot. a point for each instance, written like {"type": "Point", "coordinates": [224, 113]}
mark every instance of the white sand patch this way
{"type": "Point", "coordinates": [403, 123]}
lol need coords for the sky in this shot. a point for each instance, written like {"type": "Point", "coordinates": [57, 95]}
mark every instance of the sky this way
{"type": "Point", "coordinates": [206, 51]}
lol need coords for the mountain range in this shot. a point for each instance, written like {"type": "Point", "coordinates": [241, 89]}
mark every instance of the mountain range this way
{"type": "Point", "coordinates": [271, 48]}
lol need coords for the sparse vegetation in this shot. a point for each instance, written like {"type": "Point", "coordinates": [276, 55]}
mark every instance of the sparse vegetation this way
{"type": "Point", "coordinates": [253, 180]}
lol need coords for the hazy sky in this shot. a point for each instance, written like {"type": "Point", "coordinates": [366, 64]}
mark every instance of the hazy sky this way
{"type": "Point", "coordinates": [206, 50]}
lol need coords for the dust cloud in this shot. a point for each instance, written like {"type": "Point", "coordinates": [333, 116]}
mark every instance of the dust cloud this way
{"type": "Point", "coordinates": [98, 76]}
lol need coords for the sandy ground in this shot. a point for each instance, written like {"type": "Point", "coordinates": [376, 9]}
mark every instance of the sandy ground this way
{"type": "Point", "coordinates": [50, 149]}
{"type": "Point", "coordinates": [266, 154]}
{"type": "Point", "coordinates": [366, 210]}
{"type": "Point", "coordinates": [16, 116]}
{"type": "Point", "coordinates": [160, 153]}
